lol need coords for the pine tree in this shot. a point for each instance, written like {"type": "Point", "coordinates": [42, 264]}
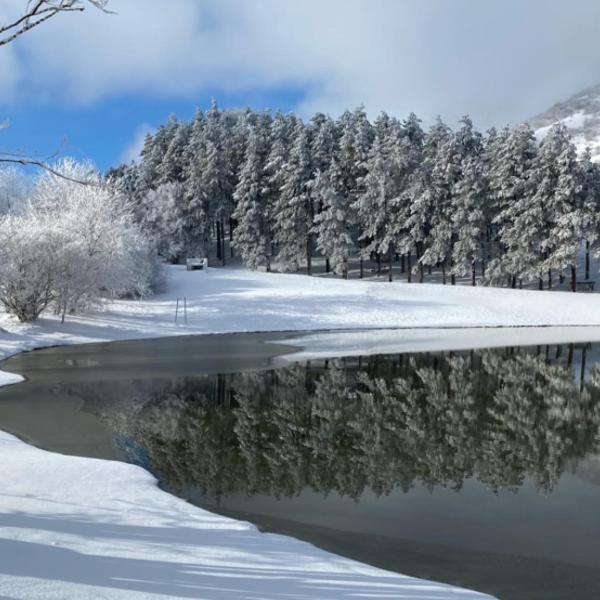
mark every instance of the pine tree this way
{"type": "Point", "coordinates": [254, 231]}
{"type": "Point", "coordinates": [294, 210]}
{"type": "Point", "coordinates": [333, 222]}
{"type": "Point", "coordinates": [194, 212]}
{"type": "Point", "coordinates": [516, 220]}
{"type": "Point", "coordinates": [556, 175]}
{"type": "Point", "coordinates": [432, 214]}
{"type": "Point", "coordinates": [356, 137]}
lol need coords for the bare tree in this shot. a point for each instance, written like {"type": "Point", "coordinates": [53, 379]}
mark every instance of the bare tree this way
{"type": "Point", "coordinates": [37, 12]}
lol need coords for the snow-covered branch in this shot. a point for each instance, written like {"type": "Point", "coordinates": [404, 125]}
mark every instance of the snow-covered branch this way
{"type": "Point", "coordinates": [37, 12]}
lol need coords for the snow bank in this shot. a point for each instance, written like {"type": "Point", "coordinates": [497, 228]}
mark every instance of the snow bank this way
{"type": "Point", "coordinates": [84, 528]}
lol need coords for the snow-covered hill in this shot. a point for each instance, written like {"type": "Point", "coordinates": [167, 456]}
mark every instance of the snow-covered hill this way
{"type": "Point", "coordinates": [581, 114]}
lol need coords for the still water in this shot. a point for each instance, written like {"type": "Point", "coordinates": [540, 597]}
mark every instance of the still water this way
{"type": "Point", "coordinates": [479, 468]}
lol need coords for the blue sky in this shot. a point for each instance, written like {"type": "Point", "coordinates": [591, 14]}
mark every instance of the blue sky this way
{"type": "Point", "coordinates": [105, 131]}
{"type": "Point", "coordinates": [91, 84]}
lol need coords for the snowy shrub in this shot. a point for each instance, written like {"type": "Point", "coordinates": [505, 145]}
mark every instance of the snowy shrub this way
{"type": "Point", "coordinates": [29, 251]}
{"type": "Point", "coordinates": [72, 245]}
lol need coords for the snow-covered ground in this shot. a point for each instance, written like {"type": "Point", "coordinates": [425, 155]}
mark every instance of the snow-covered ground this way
{"type": "Point", "coordinates": [88, 529]}
{"type": "Point", "coordinates": [236, 300]}
{"type": "Point", "coordinates": [82, 528]}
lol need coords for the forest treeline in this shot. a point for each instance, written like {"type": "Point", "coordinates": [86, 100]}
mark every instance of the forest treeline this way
{"type": "Point", "coordinates": [500, 207]}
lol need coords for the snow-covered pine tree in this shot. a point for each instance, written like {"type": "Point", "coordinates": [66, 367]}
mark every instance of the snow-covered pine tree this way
{"type": "Point", "coordinates": [154, 150]}
{"type": "Point", "coordinates": [356, 137]}
{"type": "Point", "coordinates": [516, 222]}
{"type": "Point", "coordinates": [214, 175]}
{"type": "Point", "coordinates": [294, 210]}
{"type": "Point", "coordinates": [407, 154]}
{"type": "Point", "coordinates": [253, 212]}
{"type": "Point", "coordinates": [235, 139]}
{"type": "Point", "coordinates": [589, 204]}
{"type": "Point", "coordinates": [281, 131]}
{"type": "Point", "coordinates": [468, 192]}
{"type": "Point", "coordinates": [333, 222]}
{"type": "Point", "coordinates": [195, 214]}
{"type": "Point", "coordinates": [172, 166]}
{"type": "Point", "coordinates": [556, 175]}
{"type": "Point", "coordinates": [323, 137]}
{"type": "Point", "coordinates": [377, 206]}
{"type": "Point", "coordinates": [432, 214]}
{"type": "Point", "coordinates": [469, 217]}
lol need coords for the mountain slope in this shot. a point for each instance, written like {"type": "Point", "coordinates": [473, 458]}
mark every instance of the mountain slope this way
{"type": "Point", "coordinates": [581, 114]}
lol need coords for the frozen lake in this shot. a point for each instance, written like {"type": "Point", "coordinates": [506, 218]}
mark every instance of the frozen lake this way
{"type": "Point", "coordinates": [475, 467]}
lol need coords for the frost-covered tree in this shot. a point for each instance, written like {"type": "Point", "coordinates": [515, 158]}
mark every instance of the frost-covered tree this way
{"type": "Point", "coordinates": [380, 207]}
{"type": "Point", "coordinates": [294, 211]}
{"type": "Point", "coordinates": [253, 213]}
{"type": "Point", "coordinates": [515, 220]}
{"type": "Point", "coordinates": [161, 219]}
{"type": "Point", "coordinates": [557, 184]}
{"type": "Point", "coordinates": [432, 216]}
{"type": "Point", "coordinates": [333, 222]}
{"type": "Point", "coordinates": [78, 243]}
{"type": "Point", "coordinates": [14, 188]}
{"type": "Point", "coordinates": [172, 166]}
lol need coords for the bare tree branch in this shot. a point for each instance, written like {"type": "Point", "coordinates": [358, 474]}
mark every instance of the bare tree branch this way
{"type": "Point", "coordinates": [39, 11]}
{"type": "Point", "coordinates": [41, 164]}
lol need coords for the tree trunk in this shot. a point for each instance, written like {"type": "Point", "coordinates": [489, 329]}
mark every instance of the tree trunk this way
{"type": "Point", "coordinates": [421, 272]}
{"type": "Point", "coordinates": [513, 282]}
{"type": "Point", "coordinates": [378, 264]}
{"type": "Point", "coordinates": [390, 257]}
{"type": "Point", "coordinates": [409, 271]}
{"type": "Point", "coordinates": [444, 272]}
{"type": "Point", "coordinates": [573, 278]}
{"type": "Point", "coordinates": [223, 241]}
{"type": "Point", "coordinates": [473, 283]}
{"type": "Point", "coordinates": [540, 283]}
{"type": "Point", "coordinates": [549, 279]}
{"type": "Point", "coordinates": [219, 240]}
{"type": "Point", "coordinates": [345, 269]}
{"type": "Point", "coordinates": [587, 260]}
{"type": "Point", "coordinates": [308, 256]}
{"type": "Point", "coordinates": [230, 236]}
{"type": "Point", "coordinates": [268, 263]}
{"type": "Point", "coordinates": [361, 259]}
{"type": "Point", "coordinates": [402, 264]}
{"type": "Point", "coordinates": [327, 266]}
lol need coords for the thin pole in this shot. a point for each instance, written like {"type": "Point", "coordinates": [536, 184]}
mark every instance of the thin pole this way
{"type": "Point", "coordinates": [185, 308]}
{"type": "Point", "coordinates": [176, 310]}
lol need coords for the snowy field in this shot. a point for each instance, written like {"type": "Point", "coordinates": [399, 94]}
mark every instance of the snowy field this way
{"type": "Point", "coordinates": [237, 300]}
{"type": "Point", "coordinates": [82, 528]}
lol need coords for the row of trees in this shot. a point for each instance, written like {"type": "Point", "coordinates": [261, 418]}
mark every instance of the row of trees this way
{"type": "Point", "coordinates": [64, 244]}
{"type": "Point", "coordinates": [502, 206]}
{"type": "Point", "coordinates": [381, 424]}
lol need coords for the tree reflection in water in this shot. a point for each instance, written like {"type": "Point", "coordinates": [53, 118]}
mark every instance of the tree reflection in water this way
{"type": "Point", "coordinates": [378, 423]}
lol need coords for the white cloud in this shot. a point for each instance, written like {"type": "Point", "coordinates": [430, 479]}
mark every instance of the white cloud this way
{"type": "Point", "coordinates": [500, 60]}
{"type": "Point", "coordinates": [133, 150]}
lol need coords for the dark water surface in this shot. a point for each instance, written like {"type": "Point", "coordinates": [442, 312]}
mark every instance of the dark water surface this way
{"type": "Point", "coordinates": [479, 468]}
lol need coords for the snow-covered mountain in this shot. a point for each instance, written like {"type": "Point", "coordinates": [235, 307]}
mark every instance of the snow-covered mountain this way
{"type": "Point", "coordinates": [581, 114]}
